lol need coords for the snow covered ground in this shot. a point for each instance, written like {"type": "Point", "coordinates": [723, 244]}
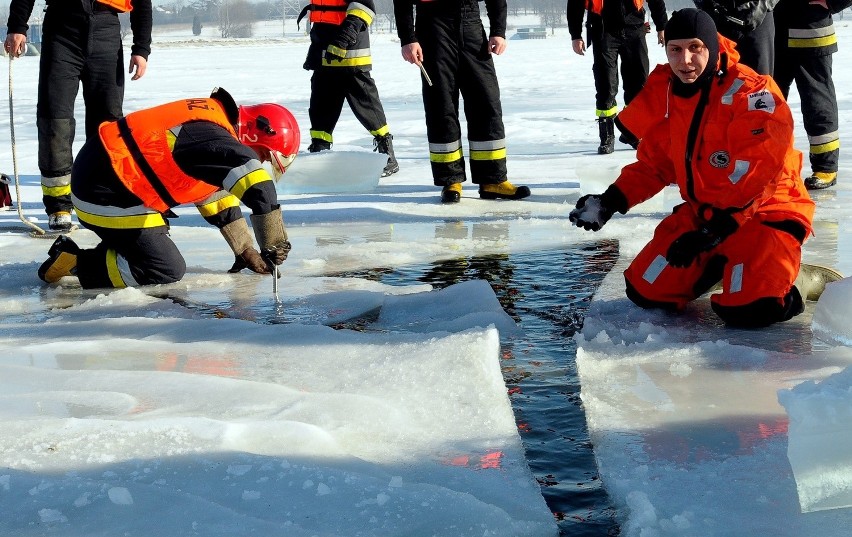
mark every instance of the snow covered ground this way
{"type": "Point", "coordinates": [160, 412]}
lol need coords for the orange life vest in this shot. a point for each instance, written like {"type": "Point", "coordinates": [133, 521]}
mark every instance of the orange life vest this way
{"type": "Point", "coordinates": [122, 6]}
{"type": "Point", "coordinates": [328, 11]}
{"type": "Point", "coordinates": [596, 6]}
{"type": "Point", "coordinates": [139, 146]}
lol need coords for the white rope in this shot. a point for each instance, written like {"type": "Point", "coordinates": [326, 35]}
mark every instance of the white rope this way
{"type": "Point", "coordinates": [36, 229]}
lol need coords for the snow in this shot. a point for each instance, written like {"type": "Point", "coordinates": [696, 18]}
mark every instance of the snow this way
{"type": "Point", "coordinates": [206, 408]}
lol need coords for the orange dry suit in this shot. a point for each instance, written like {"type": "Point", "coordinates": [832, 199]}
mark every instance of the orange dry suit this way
{"type": "Point", "coordinates": [729, 149]}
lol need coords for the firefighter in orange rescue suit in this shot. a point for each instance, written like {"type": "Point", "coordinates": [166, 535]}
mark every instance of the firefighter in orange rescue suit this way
{"type": "Point", "coordinates": [725, 138]}
{"type": "Point", "coordinates": [206, 151]}
{"type": "Point", "coordinates": [340, 58]}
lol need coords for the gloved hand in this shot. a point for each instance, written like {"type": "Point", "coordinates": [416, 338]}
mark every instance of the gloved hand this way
{"type": "Point", "coordinates": [686, 248]}
{"type": "Point", "coordinates": [239, 239]}
{"type": "Point", "coordinates": [346, 37]}
{"type": "Point", "coordinates": [590, 213]}
{"type": "Point", "coordinates": [251, 260]}
{"type": "Point", "coordinates": [595, 210]}
{"type": "Point", "coordinates": [271, 236]}
{"type": "Point", "coordinates": [334, 54]}
{"type": "Point", "coordinates": [719, 224]}
{"type": "Point", "coordinates": [276, 255]}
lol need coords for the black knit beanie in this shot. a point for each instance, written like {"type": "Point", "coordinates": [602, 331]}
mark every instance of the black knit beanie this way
{"type": "Point", "coordinates": [688, 23]}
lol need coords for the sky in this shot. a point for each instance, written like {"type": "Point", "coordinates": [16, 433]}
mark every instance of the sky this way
{"type": "Point", "coordinates": [207, 407]}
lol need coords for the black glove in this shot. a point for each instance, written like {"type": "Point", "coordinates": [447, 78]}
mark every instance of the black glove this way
{"type": "Point", "coordinates": [334, 54]}
{"type": "Point", "coordinates": [595, 210]}
{"type": "Point", "coordinates": [686, 248]}
{"type": "Point", "coordinates": [252, 260]}
{"type": "Point", "coordinates": [345, 38]}
{"type": "Point", "coordinates": [590, 213]}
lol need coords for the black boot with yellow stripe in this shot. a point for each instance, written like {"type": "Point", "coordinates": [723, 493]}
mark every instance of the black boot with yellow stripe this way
{"type": "Point", "coordinates": [504, 190]}
{"type": "Point", "coordinates": [62, 260]}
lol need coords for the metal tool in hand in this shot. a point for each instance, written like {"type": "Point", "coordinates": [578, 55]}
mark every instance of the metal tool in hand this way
{"type": "Point", "coordinates": [275, 283]}
{"type": "Point", "coordinates": [425, 74]}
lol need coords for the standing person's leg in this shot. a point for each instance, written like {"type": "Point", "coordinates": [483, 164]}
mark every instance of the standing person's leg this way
{"type": "Point", "coordinates": [635, 65]}
{"type": "Point", "coordinates": [441, 106]}
{"type": "Point", "coordinates": [605, 69]}
{"type": "Point", "coordinates": [757, 47]}
{"type": "Point", "coordinates": [103, 72]}
{"type": "Point", "coordinates": [326, 104]}
{"type": "Point", "coordinates": [820, 117]}
{"type": "Point", "coordinates": [363, 98]}
{"type": "Point", "coordinates": [477, 82]}
{"type": "Point", "coordinates": [60, 66]}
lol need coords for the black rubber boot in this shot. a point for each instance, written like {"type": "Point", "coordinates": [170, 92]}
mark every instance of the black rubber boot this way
{"type": "Point", "coordinates": [384, 145]}
{"type": "Point", "coordinates": [318, 145]}
{"type": "Point", "coordinates": [606, 127]}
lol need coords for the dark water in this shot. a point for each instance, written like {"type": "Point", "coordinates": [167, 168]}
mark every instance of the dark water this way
{"type": "Point", "coordinates": [547, 293]}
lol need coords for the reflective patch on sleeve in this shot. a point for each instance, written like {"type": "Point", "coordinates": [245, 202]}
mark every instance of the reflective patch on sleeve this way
{"type": "Point", "coordinates": [216, 203]}
{"type": "Point", "coordinates": [740, 168]}
{"type": "Point", "coordinates": [655, 269]}
{"type": "Point", "coordinates": [728, 97]}
{"type": "Point", "coordinates": [762, 100]}
{"type": "Point", "coordinates": [736, 279]}
{"type": "Point", "coordinates": [240, 173]}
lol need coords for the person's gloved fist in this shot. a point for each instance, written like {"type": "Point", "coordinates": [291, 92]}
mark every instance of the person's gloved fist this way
{"type": "Point", "coordinates": [686, 248]}
{"type": "Point", "coordinates": [276, 254]}
{"type": "Point", "coordinates": [334, 53]}
{"type": "Point", "coordinates": [252, 260]}
{"type": "Point", "coordinates": [595, 210]}
{"type": "Point", "coordinates": [347, 36]}
{"type": "Point", "coordinates": [271, 236]}
{"type": "Point", "coordinates": [591, 213]}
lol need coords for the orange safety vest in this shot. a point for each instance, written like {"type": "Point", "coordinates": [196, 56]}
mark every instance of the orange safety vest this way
{"type": "Point", "coordinates": [596, 6]}
{"type": "Point", "coordinates": [122, 6]}
{"type": "Point", "coordinates": [139, 146]}
{"type": "Point", "coordinates": [329, 11]}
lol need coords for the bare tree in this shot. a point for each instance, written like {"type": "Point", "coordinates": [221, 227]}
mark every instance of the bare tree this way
{"type": "Point", "coordinates": [236, 18]}
{"type": "Point", "coordinates": [552, 13]}
{"type": "Point", "coordinates": [384, 10]}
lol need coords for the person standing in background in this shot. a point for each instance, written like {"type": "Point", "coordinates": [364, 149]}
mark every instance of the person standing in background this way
{"type": "Point", "coordinates": [81, 42]}
{"type": "Point", "coordinates": [448, 41]}
{"type": "Point", "coordinates": [615, 28]}
{"type": "Point", "coordinates": [804, 46]}
{"type": "Point", "coordinates": [749, 24]}
{"type": "Point", "coordinates": [340, 58]}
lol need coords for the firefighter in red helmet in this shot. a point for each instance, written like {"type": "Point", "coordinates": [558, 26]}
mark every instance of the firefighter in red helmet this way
{"type": "Point", "coordinates": [206, 151]}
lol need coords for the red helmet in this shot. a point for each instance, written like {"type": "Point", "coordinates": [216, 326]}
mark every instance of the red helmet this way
{"type": "Point", "coordinates": [271, 127]}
